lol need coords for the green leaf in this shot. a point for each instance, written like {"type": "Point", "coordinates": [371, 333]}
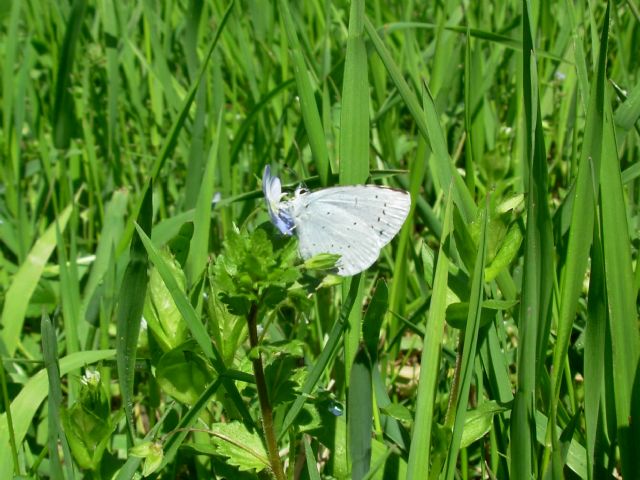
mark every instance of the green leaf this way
{"type": "Point", "coordinates": [241, 447]}
{"type": "Point", "coordinates": [184, 373]}
{"type": "Point", "coordinates": [160, 311]}
{"type": "Point", "coordinates": [479, 421]}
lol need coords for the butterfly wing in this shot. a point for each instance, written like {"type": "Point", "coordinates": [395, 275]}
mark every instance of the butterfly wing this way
{"type": "Point", "coordinates": [354, 222]}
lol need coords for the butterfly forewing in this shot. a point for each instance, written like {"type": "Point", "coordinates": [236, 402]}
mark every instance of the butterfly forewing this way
{"type": "Point", "coordinates": [352, 221]}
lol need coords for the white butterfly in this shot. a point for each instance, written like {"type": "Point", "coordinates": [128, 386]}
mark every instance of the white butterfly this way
{"type": "Point", "coordinates": [354, 222]}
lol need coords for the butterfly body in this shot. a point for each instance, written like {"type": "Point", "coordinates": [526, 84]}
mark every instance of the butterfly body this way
{"type": "Point", "coordinates": [354, 221]}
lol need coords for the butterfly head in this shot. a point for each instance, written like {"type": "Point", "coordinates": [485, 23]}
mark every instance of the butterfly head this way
{"type": "Point", "coordinates": [278, 210]}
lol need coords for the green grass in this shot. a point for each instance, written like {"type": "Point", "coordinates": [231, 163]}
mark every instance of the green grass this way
{"type": "Point", "coordinates": [498, 335]}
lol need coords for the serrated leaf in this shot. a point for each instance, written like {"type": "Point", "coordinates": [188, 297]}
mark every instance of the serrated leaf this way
{"type": "Point", "coordinates": [243, 449]}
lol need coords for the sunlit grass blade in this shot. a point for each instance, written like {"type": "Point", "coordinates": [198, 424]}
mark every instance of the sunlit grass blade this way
{"type": "Point", "coordinates": [537, 275]}
{"type": "Point", "coordinates": [621, 302]}
{"type": "Point", "coordinates": [582, 222]}
{"type": "Point", "coordinates": [24, 283]}
{"type": "Point", "coordinates": [419, 455]}
{"type": "Point", "coordinates": [308, 106]}
{"type": "Point", "coordinates": [464, 370]}
{"type": "Point", "coordinates": [354, 119]}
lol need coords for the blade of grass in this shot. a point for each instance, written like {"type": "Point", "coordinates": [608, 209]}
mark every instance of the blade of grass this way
{"type": "Point", "coordinates": [8, 83]}
{"type": "Point", "coordinates": [582, 224]}
{"type": "Point", "coordinates": [24, 284]}
{"type": "Point", "coordinates": [627, 114]}
{"type": "Point", "coordinates": [129, 313]}
{"type": "Point", "coordinates": [428, 124]}
{"type": "Point", "coordinates": [63, 109]}
{"type": "Point", "coordinates": [537, 279]}
{"type": "Point", "coordinates": [456, 417]}
{"type": "Point", "coordinates": [354, 158]}
{"type": "Point", "coordinates": [196, 160]}
{"type": "Point", "coordinates": [359, 414]}
{"type": "Point", "coordinates": [56, 433]}
{"type": "Point", "coordinates": [111, 232]}
{"type": "Point", "coordinates": [199, 248]}
{"type": "Point", "coordinates": [594, 360]}
{"type": "Point", "coordinates": [419, 455]}
{"type": "Point", "coordinates": [312, 470]}
{"type": "Point", "coordinates": [621, 302]}
{"type": "Point", "coordinates": [308, 106]}
{"type": "Point", "coordinates": [354, 113]}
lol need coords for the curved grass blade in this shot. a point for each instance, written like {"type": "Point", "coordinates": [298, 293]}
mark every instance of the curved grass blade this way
{"type": "Point", "coordinates": [24, 284]}
{"type": "Point", "coordinates": [428, 124]}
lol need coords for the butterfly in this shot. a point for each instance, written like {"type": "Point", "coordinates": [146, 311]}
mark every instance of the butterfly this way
{"type": "Point", "coordinates": [354, 221]}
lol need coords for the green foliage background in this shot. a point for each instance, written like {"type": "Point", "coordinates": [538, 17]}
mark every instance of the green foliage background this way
{"type": "Point", "coordinates": [496, 337]}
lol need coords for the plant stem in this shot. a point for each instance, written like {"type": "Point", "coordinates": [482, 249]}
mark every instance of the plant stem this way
{"type": "Point", "coordinates": [263, 396]}
{"type": "Point", "coordinates": [452, 407]}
